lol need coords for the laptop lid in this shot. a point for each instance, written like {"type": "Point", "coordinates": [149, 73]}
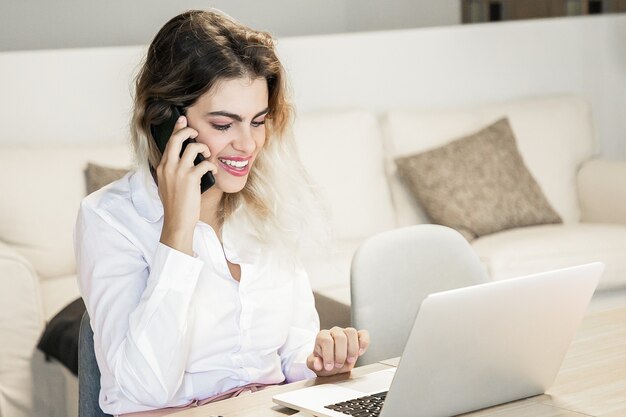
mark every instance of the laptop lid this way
{"type": "Point", "coordinates": [474, 347]}
{"type": "Point", "coordinates": [489, 344]}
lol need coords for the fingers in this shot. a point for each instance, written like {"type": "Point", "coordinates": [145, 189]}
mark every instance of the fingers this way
{"type": "Point", "coordinates": [364, 341]}
{"type": "Point", "coordinates": [337, 350]}
{"type": "Point", "coordinates": [325, 350]}
{"type": "Point", "coordinates": [181, 123]}
{"type": "Point", "coordinates": [204, 167]}
{"type": "Point", "coordinates": [315, 363]}
{"type": "Point", "coordinates": [192, 149]}
{"type": "Point", "coordinates": [340, 344]}
{"type": "Point", "coordinates": [182, 150]}
{"type": "Point", "coordinates": [352, 351]}
{"type": "Point", "coordinates": [181, 133]}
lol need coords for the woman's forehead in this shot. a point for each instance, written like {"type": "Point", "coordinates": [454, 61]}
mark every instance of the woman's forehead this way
{"type": "Point", "coordinates": [242, 96]}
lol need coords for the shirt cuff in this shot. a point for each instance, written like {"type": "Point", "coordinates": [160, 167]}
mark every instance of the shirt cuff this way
{"type": "Point", "coordinates": [175, 270]}
{"type": "Point", "coordinates": [299, 371]}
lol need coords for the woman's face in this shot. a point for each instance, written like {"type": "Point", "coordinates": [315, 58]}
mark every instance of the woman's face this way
{"type": "Point", "coordinates": [230, 120]}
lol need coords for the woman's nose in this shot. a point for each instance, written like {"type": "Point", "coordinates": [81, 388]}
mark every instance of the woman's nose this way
{"type": "Point", "coordinates": [245, 142]}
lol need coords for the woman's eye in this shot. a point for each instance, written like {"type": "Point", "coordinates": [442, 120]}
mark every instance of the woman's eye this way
{"type": "Point", "coordinates": [257, 124]}
{"type": "Point", "coordinates": [221, 127]}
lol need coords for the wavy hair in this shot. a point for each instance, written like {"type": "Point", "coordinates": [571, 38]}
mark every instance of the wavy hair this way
{"type": "Point", "coordinates": [189, 55]}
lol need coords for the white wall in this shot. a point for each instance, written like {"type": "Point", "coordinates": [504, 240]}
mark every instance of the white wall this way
{"type": "Point", "coordinates": [455, 66]}
{"type": "Point", "coordinates": [43, 24]}
{"type": "Point", "coordinates": [368, 15]}
{"type": "Point", "coordinates": [84, 94]}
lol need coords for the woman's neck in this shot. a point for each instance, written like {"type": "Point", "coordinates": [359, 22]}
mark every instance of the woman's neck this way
{"type": "Point", "coordinates": [210, 207]}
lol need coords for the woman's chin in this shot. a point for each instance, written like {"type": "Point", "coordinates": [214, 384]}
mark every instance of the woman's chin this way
{"type": "Point", "coordinates": [231, 187]}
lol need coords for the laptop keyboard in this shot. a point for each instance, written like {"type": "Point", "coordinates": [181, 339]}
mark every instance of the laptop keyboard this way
{"type": "Point", "coordinates": [368, 406]}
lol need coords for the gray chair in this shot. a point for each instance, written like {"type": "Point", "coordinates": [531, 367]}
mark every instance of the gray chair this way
{"type": "Point", "coordinates": [394, 271]}
{"type": "Point", "coordinates": [88, 373]}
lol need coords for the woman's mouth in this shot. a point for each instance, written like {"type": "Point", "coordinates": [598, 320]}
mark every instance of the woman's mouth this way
{"type": "Point", "coordinates": [237, 166]}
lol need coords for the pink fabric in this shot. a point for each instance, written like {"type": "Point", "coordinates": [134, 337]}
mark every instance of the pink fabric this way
{"type": "Point", "coordinates": [235, 392]}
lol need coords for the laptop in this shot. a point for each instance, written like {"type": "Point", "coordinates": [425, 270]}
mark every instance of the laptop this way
{"type": "Point", "coordinates": [468, 349]}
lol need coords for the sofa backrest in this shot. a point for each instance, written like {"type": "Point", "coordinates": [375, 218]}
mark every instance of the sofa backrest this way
{"type": "Point", "coordinates": [345, 153]}
{"type": "Point", "coordinates": [42, 187]}
{"type": "Point", "coordinates": [554, 135]}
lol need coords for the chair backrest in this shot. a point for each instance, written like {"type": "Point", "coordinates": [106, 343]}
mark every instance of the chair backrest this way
{"type": "Point", "coordinates": [394, 271]}
{"type": "Point", "coordinates": [88, 373]}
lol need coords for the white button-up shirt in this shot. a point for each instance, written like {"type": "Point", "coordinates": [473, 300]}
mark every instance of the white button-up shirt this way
{"type": "Point", "coordinates": [171, 328]}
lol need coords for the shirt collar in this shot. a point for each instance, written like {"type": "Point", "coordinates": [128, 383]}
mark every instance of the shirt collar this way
{"type": "Point", "coordinates": [145, 195]}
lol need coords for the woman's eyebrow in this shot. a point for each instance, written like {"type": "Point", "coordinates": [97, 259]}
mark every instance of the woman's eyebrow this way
{"type": "Point", "coordinates": [262, 112]}
{"type": "Point", "coordinates": [236, 116]}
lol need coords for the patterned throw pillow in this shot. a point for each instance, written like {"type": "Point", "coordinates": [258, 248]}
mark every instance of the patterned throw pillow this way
{"type": "Point", "coordinates": [478, 184]}
{"type": "Point", "coordinates": [97, 176]}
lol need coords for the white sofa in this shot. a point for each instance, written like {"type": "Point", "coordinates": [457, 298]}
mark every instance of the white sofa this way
{"type": "Point", "coordinates": [350, 156]}
{"type": "Point", "coordinates": [348, 134]}
{"type": "Point", "coordinates": [554, 135]}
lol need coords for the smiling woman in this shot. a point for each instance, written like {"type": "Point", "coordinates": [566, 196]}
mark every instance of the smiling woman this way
{"type": "Point", "coordinates": [235, 135]}
{"type": "Point", "coordinates": [197, 294]}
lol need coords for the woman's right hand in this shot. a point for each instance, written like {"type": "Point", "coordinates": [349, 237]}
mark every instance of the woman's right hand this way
{"type": "Point", "coordinates": [179, 187]}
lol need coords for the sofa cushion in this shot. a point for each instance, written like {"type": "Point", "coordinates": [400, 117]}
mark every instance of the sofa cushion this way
{"type": "Point", "coordinates": [97, 176]}
{"type": "Point", "coordinates": [60, 337]}
{"type": "Point", "coordinates": [478, 184]}
{"type": "Point", "coordinates": [554, 136]}
{"type": "Point", "coordinates": [342, 151]}
{"type": "Point", "coordinates": [42, 188]}
{"type": "Point", "coordinates": [535, 249]}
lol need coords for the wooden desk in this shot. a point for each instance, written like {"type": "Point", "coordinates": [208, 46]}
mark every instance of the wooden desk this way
{"type": "Point", "coordinates": [591, 382]}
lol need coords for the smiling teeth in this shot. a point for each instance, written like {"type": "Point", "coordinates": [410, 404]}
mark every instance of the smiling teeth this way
{"type": "Point", "coordinates": [235, 164]}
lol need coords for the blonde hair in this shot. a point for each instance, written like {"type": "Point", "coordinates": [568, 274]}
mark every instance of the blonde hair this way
{"type": "Point", "coordinates": [189, 55]}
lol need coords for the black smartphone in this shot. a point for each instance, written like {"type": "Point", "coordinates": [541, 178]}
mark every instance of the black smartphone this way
{"type": "Point", "coordinates": [161, 134]}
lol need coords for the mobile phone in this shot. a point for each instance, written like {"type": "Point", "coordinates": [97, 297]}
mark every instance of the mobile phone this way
{"type": "Point", "coordinates": [161, 134]}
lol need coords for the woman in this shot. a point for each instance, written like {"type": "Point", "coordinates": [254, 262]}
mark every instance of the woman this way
{"type": "Point", "coordinates": [199, 296]}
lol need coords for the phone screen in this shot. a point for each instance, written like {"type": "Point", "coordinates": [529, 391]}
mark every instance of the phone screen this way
{"type": "Point", "coordinates": [162, 133]}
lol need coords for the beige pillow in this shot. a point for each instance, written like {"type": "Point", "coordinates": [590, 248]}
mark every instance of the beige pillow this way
{"type": "Point", "coordinates": [97, 176]}
{"type": "Point", "coordinates": [478, 184]}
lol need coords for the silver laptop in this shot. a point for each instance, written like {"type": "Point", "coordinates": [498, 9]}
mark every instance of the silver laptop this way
{"type": "Point", "coordinates": [469, 348]}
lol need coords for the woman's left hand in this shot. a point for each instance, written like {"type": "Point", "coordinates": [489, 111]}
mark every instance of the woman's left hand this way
{"type": "Point", "coordinates": [337, 350]}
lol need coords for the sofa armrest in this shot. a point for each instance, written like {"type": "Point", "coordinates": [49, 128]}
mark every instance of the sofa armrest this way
{"type": "Point", "coordinates": [602, 191]}
{"type": "Point", "coordinates": [20, 293]}
{"type": "Point", "coordinates": [21, 324]}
